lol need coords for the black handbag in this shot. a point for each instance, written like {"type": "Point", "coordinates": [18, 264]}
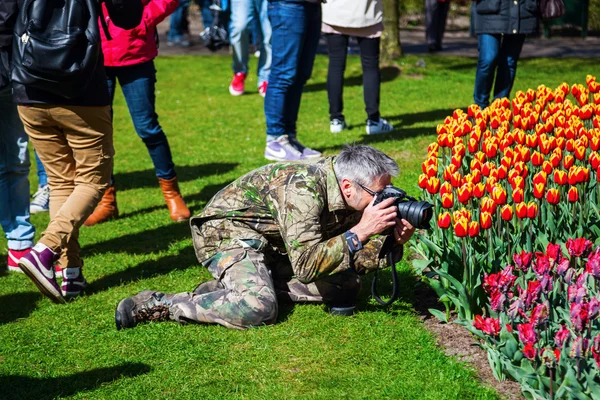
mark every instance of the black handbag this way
{"type": "Point", "coordinates": [551, 9]}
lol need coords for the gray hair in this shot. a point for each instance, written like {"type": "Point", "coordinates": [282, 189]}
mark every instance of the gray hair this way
{"type": "Point", "coordinates": [363, 164]}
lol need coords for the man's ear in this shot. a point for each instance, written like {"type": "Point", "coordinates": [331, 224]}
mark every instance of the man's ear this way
{"type": "Point", "coordinates": [347, 187]}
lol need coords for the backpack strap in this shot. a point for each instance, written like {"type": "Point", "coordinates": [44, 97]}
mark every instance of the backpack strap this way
{"type": "Point", "coordinates": [103, 21]}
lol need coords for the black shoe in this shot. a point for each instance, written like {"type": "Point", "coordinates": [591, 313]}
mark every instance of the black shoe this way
{"type": "Point", "coordinates": [434, 48]}
{"type": "Point", "coordinates": [146, 306]}
{"type": "Point", "coordinates": [344, 311]}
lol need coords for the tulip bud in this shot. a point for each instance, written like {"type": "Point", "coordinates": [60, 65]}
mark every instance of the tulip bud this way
{"type": "Point", "coordinates": [560, 177]}
{"type": "Point", "coordinates": [447, 200]}
{"type": "Point", "coordinates": [573, 194]}
{"type": "Point", "coordinates": [538, 190]}
{"type": "Point", "coordinates": [444, 220]}
{"type": "Point", "coordinates": [433, 185]}
{"type": "Point", "coordinates": [506, 212]}
{"type": "Point", "coordinates": [532, 210]}
{"type": "Point", "coordinates": [518, 196]}
{"type": "Point", "coordinates": [553, 197]}
{"type": "Point", "coordinates": [568, 161]}
{"type": "Point", "coordinates": [423, 181]}
{"type": "Point", "coordinates": [521, 210]}
{"type": "Point", "coordinates": [473, 228]}
{"type": "Point", "coordinates": [485, 220]}
{"type": "Point", "coordinates": [461, 227]}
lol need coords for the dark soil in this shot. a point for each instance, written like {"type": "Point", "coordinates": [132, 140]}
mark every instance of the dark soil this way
{"type": "Point", "coordinates": [460, 343]}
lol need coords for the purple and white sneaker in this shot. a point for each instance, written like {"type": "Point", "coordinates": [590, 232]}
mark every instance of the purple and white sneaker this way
{"type": "Point", "coordinates": [73, 283]}
{"type": "Point", "coordinates": [281, 149]}
{"type": "Point", "coordinates": [307, 152]}
{"type": "Point", "coordinates": [38, 265]}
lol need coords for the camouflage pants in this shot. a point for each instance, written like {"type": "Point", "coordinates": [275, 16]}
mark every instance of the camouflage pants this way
{"type": "Point", "coordinates": [247, 286]}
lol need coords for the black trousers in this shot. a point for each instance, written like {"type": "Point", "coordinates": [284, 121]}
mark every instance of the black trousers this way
{"type": "Point", "coordinates": [436, 14]}
{"type": "Point", "coordinates": [337, 46]}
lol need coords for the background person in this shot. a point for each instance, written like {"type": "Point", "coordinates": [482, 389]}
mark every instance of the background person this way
{"type": "Point", "coordinates": [501, 27]}
{"type": "Point", "coordinates": [436, 15]}
{"type": "Point", "coordinates": [40, 201]}
{"type": "Point", "coordinates": [304, 235]}
{"type": "Point", "coordinates": [244, 14]}
{"type": "Point", "coordinates": [128, 58]}
{"type": "Point", "coordinates": [73, 138]}
{"type": "Point", "coordinates": [14, 161]}
{"type": "Point", "coordinates": [296, 27]}
{"type": "Point", "coordinates": [363, 20]}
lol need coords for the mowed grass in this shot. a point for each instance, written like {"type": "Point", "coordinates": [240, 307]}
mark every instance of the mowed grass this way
{"type": "Point", "coordinates": [74, 350]}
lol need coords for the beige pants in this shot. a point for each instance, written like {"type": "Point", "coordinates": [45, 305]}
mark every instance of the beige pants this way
{"type": "Point", "coordinates": [75, 145]}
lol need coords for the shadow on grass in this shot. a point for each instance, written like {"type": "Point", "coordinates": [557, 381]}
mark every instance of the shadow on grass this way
{"type": "Point", "coordinates": [26, 387]}
{"type": "Point", "coordinates": [201, 197]}
{"type": "Point", "coordinates": [17, 305]}
{"type": "Point", "coordinates": [144, 242]}
{"type": "Point", "coordinates": [147, 269]}
{"type": "Point", "coordinates": [185, 173]}
{"type": "Point", "coordinates": [387, 74]}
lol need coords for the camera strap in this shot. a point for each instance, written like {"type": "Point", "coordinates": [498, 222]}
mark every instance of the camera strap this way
{"type": "Point", "coordinates": [395, 286]}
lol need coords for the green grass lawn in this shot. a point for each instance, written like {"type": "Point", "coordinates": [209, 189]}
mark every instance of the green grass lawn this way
{"type": "Point", "coordinates": [74, 350]}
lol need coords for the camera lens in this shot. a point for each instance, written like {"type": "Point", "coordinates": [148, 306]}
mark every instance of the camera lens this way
{"type": "Point", "coordinates": [417, 213]}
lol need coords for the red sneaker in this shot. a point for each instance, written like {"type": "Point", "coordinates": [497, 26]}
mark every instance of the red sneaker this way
{"type": "Point", "coordinates": [262, 89]}
{"type": "Point", "coordinates": [237, 84]}
{"type": "Point", "coordinates": [13, 259]}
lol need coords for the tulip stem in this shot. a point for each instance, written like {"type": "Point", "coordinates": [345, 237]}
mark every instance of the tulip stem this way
{"type": "Point", "coordinates": [551, 381]}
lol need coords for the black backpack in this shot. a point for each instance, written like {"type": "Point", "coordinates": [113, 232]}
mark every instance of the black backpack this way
{"type": "Point", "coordinates": [215, 36]}
{"type": "Point", "coordinates": [57, 45]}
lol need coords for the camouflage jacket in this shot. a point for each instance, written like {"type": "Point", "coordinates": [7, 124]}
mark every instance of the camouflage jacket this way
{"type": "Point", "coordinates": [288, 208]}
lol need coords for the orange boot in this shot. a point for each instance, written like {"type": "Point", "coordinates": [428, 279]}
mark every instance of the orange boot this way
{"type": "Point", "coordinates": [177, 209]}
{"type": "Point", "coordinates": [106, 208]}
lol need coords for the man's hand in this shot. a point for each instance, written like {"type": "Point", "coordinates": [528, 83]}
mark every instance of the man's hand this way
{"type": "Point", "coordinates": [403, 231]}
{"type": "Point", "coordinates": [376, 219]}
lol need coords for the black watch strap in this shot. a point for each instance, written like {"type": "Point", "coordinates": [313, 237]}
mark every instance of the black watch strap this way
{"type": "Point", "coordinates": [354, 244]}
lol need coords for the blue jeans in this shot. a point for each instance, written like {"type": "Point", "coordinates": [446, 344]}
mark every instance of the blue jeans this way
{"type": "Point", "coordinates": [41, 171]}
{"type": "Point", "coordinates": [178, 23]}
{"type": "Point", "coordinates": [137, 83]}
{"type": "Point", "coordinates": [243, 15]}
{"type": "Point", "coordinates": [296, 30]}
{"type": "Point", "coordinates": [498, 55]}
{"type": "Point", "coordinates": [14, 172]}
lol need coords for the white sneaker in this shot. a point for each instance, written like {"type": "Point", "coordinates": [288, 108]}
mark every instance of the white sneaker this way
{"type": "Point", "coordinates": [377, 127]}
{"type": "Point", "coordinates": [41, 200]}
{"type": "Point", "coordinates": [337, 125]}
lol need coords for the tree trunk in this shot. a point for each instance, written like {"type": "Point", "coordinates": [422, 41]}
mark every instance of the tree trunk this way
{"type": "Point", "coordinates": [391, 48]}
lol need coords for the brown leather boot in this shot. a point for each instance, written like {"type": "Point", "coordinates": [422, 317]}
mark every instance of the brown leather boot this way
{"type": "Point", "coordinates": [177, 209]}
{"type": "Point", "coordinates": [106, 208]}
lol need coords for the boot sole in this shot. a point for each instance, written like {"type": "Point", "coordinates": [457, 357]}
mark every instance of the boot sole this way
{"type": "Point", "coordinates": [40, 281]}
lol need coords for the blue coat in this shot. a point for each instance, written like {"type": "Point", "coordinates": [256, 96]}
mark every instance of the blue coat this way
{"type": "Point", "coordinates": [505, 16]}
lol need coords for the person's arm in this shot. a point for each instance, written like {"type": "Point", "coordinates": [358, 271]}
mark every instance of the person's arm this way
{"type": "Point", "coordinates": [297, 206]}
{"type": "Point", "coordinates": [126, 14]}
{"type": "Point", "coordinates": [157, 10]}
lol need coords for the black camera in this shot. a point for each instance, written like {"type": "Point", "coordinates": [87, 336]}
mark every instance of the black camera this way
{"type": "Point", "coordinates": [417, 213]}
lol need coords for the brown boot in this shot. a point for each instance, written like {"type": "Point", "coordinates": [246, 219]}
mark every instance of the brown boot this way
{"type": "Point", "coordinates": [177, 209]}
{"type": "Point", "coordinates": [106, 208]}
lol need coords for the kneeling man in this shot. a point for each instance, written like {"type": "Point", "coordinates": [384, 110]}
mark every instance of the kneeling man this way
{"type": "Point", "coordinates": [288, 231]}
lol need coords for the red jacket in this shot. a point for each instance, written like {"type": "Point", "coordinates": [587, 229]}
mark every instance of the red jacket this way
{"type": "Point", "coordinates": [138, 45]}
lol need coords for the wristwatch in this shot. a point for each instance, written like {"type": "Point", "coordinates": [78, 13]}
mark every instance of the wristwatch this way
{"type": "Point", "coordinates": [354, 244]}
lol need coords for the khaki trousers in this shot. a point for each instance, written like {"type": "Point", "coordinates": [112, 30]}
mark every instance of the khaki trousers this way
{"type": "Point", "coordinates": [75, 145]}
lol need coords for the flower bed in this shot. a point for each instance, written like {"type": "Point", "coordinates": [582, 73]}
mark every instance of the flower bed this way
{"type": "Point", "coordinates": [517, 177]}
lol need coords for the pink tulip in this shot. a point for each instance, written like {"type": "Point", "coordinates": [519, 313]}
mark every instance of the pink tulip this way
{"type": "Point", "coordinates": [579, 316]}
{"type": "Point", "coordinates": [539, 314]}
{"type": "Point", "coordinates": [489, 326]}
{"type": "Point", "coordinates": [527, 333]}
{"type": "Point", "coordinates": [596, 350]}
{"type": "Point", "coordinates": [593, 263]}
{"type": "Point", "coordinates": [497, 300]}
{"type": "Point", "coordinates": [562, 336]}
{"type": "Point", "coordinates": [579, 347]}
{"type": "Point", "coordinates": [578, 247]}
{"type": "Point", "coordinates": [529, 351]}
{"type": "Point", "coordinates": [562, 267]}
{"type": "Point", "coordinates": [541, 266]}
{"type": "Point", "coordinates": [523, 260]}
